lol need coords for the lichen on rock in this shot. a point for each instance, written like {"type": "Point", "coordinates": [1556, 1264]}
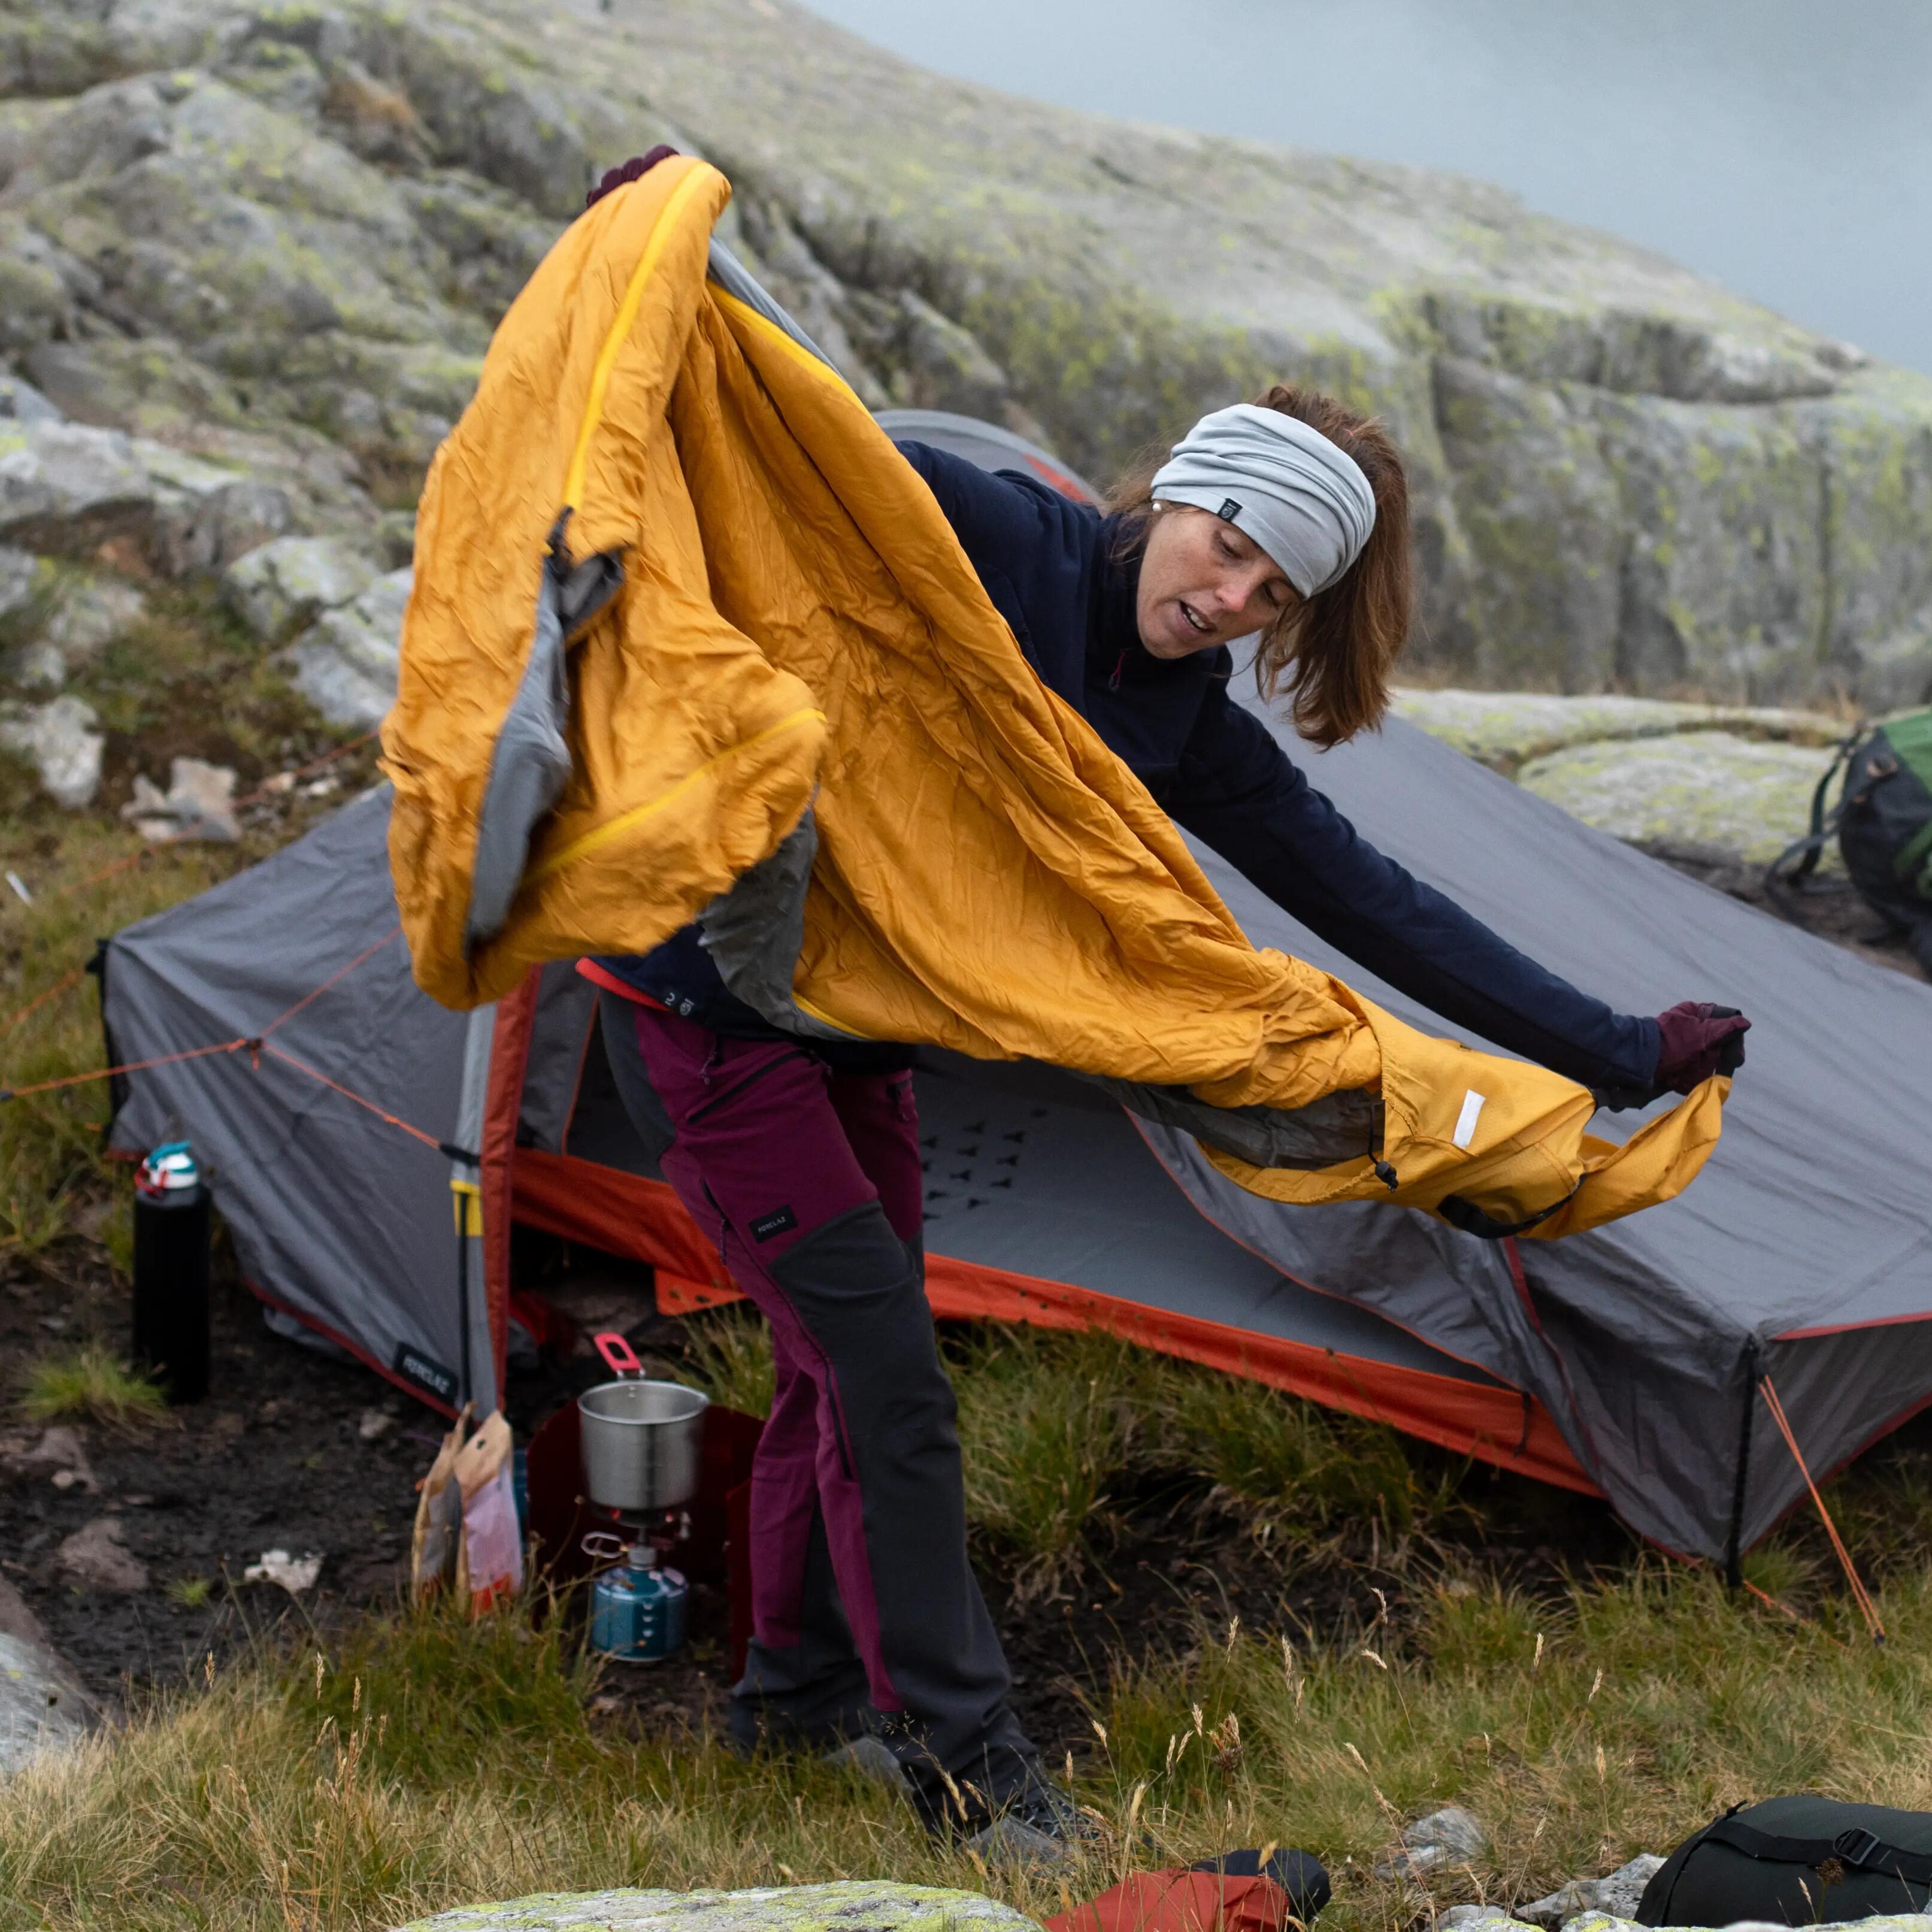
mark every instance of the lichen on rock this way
{"type": "Point", "coordinates": [851, 1906]}
{"type": "Point", "coordinates": [1699, 793]}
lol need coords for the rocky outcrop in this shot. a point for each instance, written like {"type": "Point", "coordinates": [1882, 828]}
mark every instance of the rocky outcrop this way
{"type": "Point", "coordinates": [292, 581]}
{"type": "Point", "coordinates": [345, 663]}
{"type": "Point", "coordinates": [277, 238]}
{"type": "Point", "coordinates": [1702, 794]}
{"type": "Point", "coordinates": [1616, 1895]}
{"type": "Point", "coordinates": [1694, 782]}
{"type": "Point", "coordinates": [856, 1905]}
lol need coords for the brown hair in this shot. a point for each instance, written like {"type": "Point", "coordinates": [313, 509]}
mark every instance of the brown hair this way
{"type": "Point", "coordinates": [1342, 644]}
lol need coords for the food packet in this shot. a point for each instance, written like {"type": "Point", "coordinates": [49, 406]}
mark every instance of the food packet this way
{"type": "Point", "coordinates": [434, 1543]}
{"type": "Point", "coordinates": [490, 1559]}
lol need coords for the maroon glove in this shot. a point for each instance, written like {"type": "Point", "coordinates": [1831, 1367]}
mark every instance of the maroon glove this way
{"type": "Point", "coordinates": [615, 178]}
{"type": "Point", "coordinates": [1695, 1041]}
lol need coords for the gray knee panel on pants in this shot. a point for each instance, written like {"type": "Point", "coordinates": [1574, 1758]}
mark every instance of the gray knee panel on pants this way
{"type": "Point", "coordinates": [858, 1291]}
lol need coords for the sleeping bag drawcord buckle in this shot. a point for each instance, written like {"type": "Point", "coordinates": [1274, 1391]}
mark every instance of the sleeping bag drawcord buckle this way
{"type": "Point", "coordinates": [1386, 1174]}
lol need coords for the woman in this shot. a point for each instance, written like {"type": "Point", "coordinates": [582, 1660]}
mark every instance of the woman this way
{"type": "Point", "coordinates": [1285, 520]}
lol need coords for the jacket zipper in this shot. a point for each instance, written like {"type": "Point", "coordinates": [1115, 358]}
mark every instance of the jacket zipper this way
{"type": "Point", "coordinates": [1119, 665]}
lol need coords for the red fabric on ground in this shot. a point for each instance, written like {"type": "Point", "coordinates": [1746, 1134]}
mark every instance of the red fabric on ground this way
{"type": "Point", "coordinates": [1180, 1901]}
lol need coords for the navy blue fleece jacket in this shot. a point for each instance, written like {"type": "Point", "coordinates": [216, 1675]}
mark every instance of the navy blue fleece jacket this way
{"type": "Point", "coordinates": [1049, 565]}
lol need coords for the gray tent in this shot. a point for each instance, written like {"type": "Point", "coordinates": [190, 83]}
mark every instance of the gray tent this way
{"type": "Point", "coordinates": [1625, 1361]}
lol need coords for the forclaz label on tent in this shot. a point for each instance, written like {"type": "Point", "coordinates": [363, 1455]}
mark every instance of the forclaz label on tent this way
{"type": "Point", "coordinates": [425, 1372]}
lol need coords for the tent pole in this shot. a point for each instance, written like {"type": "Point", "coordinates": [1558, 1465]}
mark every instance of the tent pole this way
{"type": "Point", "coordinates": [1734, 1566]}
{"type": "Point", "coordinates": [463, 1295]}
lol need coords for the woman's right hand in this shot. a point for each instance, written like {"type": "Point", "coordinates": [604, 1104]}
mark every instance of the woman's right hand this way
{"type": "Point", "coordinates": [1696, 1040]}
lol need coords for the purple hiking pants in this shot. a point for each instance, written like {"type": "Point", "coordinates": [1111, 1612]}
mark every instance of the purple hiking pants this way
{"type": "Point", "coordinates": [863, 1600]}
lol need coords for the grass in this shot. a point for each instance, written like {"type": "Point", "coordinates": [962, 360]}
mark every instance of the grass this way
{"type": "Point", "coordinates": [426, 1763]}
{"type": "Point", "coordinates": [186, 682]}
{"type": "Point", "coordinates": [88, 1384]}
{"type": "Point", "coordinates": [1059, 1432]}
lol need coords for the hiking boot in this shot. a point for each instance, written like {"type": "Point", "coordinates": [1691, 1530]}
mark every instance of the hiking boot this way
{"type": "Point", "coordinates": [1037, 1823]}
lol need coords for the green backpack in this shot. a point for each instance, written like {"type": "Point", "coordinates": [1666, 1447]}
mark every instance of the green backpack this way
{"type": "Point", "coordinates": [1883, 824]}
{"type": "Point", "coordinates": [1797, 1861]}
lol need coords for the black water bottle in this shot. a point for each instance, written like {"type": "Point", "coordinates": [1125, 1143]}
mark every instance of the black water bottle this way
{"type": "Point", "coordinates": [171, 1243]}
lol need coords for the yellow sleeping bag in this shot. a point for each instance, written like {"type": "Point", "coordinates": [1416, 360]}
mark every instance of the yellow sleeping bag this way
{"type": "Point", "coordinates": [797, 627]}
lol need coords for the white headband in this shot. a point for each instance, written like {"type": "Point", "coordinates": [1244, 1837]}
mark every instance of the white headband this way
{"type": "Point", "coordinates": [1302, 498]}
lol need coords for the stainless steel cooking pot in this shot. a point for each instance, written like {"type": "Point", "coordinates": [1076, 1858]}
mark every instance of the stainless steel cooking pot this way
{"type": "Point", "coordinates": [641, 1439]}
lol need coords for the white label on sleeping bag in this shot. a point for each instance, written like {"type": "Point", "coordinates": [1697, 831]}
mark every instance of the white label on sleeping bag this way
{"type": "Point", "coordinates": [1466, 1121]}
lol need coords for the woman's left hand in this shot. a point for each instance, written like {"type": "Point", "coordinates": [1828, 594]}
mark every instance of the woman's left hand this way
{"type": "Point", "coordinates": [617, 177]}
{"type": "Point", "coordinates": [1696, 1040]}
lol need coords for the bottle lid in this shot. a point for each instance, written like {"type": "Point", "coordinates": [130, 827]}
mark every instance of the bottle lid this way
{"type": "Point", "coordinates": [170, 1167]}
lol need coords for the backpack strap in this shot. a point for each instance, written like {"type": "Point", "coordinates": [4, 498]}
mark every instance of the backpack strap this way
{"type": "Point", "coordinates": [1808, 849]}
{"type": "Point", "coordinates": [1860, 1850]}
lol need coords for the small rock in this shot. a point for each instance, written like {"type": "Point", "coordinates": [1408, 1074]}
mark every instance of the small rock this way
{"type": "Point", "coordinates": [60, 739]}
{"type": "Point", "coordinates": [1467, 1918]}
{"type": "Point", "coordinates": [872, 1758]}
{"type": "Point", "coordinates": [1007, 1841]}
{"type": "Point", "coordinates": [37, 666]}
{"type": "Point", "coordinates": [1449, 1837]}
{"type": "Point", "coordinates": [57, 1451]}
{"type": "Point", "coordinates": [21, 579]}
{"type": "Point", "coordinates": [346, 663]}
{"type": "Point", "coordinates": [292, 581]}
{"type": "Point", "coordinates": [87, 613]}
{"type": "Point", "coordinates": [199, 803]}
{"type": "Point", "coordinates": [67, 487]}
{"type": "Point", "coordinates": [16, 1616]}
{"type": "Point", "coordinates": [96, 1558]}
{"type": "Point", "coordinates": [42, 1705]}
{"type": "Point", "coordinates": [1618, 1895]}
{"type": "Point", "coordinates": [375, 1423]}
{"type": "Point", "coordinates": [294, 1574]}
{"type": "Point", "coordinates": [21, 402]}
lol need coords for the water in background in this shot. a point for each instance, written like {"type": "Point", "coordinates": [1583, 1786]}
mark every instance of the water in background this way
{"type": "Point", "coordinates": [1783, 146]}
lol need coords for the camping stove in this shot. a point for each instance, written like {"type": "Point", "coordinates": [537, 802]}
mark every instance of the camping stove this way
{"type": "Point", "coordinates": [641, 1447]}
{"type": "Point", "coordinates": [639, 1605]}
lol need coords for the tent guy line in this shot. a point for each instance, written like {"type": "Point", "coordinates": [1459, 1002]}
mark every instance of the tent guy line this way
{"type": "Point", "coordinates": [256, 1045]}
{"type": "Point", "coordinates": [1861, 1595]}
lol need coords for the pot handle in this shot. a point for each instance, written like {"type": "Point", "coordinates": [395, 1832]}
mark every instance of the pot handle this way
{"type": "Point", "coordinates": [618, 1356]}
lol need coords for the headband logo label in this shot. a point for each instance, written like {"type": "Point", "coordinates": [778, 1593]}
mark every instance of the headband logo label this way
{"type": "Point", "coordinates": [1228, 511]}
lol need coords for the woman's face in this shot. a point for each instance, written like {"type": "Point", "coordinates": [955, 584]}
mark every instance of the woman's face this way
{"type": "Point", "coordinates": [1203, 584]}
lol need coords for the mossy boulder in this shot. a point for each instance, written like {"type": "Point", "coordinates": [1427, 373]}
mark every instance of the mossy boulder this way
{"type": "Point", "coordinates": [1504, 729]}
{"type": "Point", "coordinates": [1701, 793]}
{"type": "Point", "coordinates": [231, 223]}
{"type": "Point", "coordinates": [854, 1906]}
{"type": "Point", "coordinates": [1698, 782]}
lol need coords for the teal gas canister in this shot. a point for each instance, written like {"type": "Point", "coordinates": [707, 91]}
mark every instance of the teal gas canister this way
{"type": "Point", "coordinates": [637, 1608]}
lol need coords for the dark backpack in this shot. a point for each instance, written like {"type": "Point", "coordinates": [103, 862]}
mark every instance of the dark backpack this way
{"type": "Point", "coordinates": [1883, 822]}
{"type": "Point", "coordinates": [1802, 1861]}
